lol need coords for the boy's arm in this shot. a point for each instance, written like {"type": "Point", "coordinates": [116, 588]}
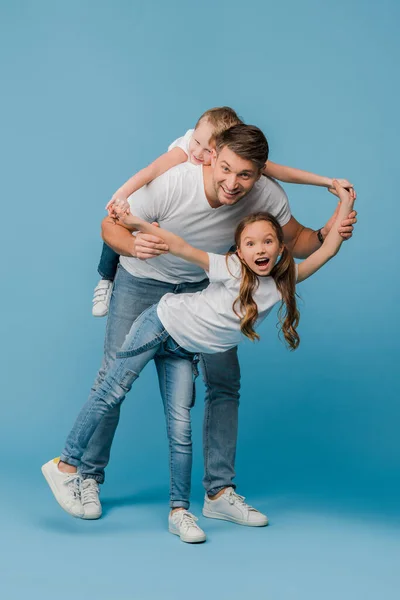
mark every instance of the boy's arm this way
{"type": "Point", "coordinates": [291, 175]}
{"type": "Point", "coordinates": [163, 163]}
{"type": "Point", "coordinates": [176, 245]}
{"type": "Point", "coordinates": [123, 242]}
{"type": "Point", "coordinates": [333, 241]}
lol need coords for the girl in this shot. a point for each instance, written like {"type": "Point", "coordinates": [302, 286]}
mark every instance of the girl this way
{"type": "Point", "coordinates": [196, 146]}
{"type": "Point", "coordinates": [244, 286]}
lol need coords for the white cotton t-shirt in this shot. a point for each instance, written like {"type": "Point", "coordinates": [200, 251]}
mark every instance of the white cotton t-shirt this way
{"type": "Point", "coordinates": [204, 321]}
{"type": "Point", "coordinates": [182, 142]}
{"type": "Point", "coordinates": [177, 201]}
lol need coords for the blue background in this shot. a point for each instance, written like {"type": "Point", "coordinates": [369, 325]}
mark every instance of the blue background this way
{"type": "Point", "coordinates": [92, 92]}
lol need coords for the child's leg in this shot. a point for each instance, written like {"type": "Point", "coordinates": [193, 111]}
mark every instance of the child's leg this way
{"type": "Point", "coordinates": [175, 376]}
{"type": "Point", "coordinates": [102, 293]}
{"type": "Point", "coordinates": [108, 263]}
{"type": "Point", "coordinates": [112, 392]}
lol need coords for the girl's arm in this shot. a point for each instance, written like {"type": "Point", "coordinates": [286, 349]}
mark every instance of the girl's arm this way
{"type": "Point", "coordinates": [163, 163]}
{"type": "Point", "coordinates": [176, 245]}
{"type": "Point", "coordinates": [291, 175]}
{"type": "Point", "coordinates": [333, 240]}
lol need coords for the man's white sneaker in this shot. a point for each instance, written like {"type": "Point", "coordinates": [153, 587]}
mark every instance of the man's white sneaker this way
{"type": "Point", "coordinates": [232, 507]}
{"type": "Point", "coordinates": [90, 499]}
{"type": "Point", "coordinates": [101, 298]}
{"type": "Point", "coordinates": [183, 523]}
{"type": "Point", "coordinates": [65, 487]}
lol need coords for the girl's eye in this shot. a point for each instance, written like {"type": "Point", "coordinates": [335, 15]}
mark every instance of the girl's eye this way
{"type": "Point", "coordinates": [249, 243]}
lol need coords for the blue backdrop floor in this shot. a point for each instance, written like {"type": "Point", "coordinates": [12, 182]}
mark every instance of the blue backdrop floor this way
{"type": "Point", "coordinates": [312, 549]}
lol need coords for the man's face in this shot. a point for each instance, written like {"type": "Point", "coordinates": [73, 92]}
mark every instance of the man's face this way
{"type": "Point", "coordinates": [233, 176]}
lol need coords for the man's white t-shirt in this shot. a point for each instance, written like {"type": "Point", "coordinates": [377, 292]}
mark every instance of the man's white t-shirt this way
{"type": "Point", "coordinates": [182, 142]}
{"type": "Point", "coordinates": [177, 201]}
{"type": "Point", "coordinates": [205, 321]}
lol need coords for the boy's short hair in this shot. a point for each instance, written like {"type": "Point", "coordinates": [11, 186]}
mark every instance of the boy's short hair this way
{"type": "Point", "coordinates": [220, 119]}
{"type": "Point", "coordinates": [247, 141]}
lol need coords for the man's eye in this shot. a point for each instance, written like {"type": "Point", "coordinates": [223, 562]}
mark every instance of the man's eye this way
{"type": "Point", "coordinates": [225, 169]}
{"type": "Point", "coordinates": [244, 176]}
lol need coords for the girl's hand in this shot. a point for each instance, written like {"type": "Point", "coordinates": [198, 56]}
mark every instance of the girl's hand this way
{"type": "Point", "coordinates": [347, 225]}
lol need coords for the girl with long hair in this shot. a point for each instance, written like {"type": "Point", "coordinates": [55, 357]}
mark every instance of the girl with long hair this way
{"type": "Point", "coordinates": [244, 286]}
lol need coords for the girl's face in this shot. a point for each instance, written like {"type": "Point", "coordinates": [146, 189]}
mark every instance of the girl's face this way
{"type": "Point", "coordinates": [199, 147]}
{"type": "Point", "coordinates": [259, 247]}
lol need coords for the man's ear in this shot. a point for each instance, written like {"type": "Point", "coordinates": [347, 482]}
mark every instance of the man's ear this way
{"type": "Point", "coordinates": [214, 157]}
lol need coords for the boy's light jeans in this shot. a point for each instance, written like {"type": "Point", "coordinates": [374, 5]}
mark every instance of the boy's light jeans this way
{"type": "Point", "coordinates": [130, 297]}
{"type": "Point", "coordinates": [177, 370]}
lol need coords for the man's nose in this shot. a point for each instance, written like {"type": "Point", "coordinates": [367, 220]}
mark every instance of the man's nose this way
{"type": "Point", "coordinates": [231, 181]}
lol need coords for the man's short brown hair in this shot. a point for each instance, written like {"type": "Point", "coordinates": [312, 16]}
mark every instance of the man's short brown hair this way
{"type": "Point", "coordinates": [247, 141]}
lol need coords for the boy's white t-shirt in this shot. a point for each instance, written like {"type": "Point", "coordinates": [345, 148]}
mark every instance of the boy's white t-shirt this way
{"type": "Point", "coordinates": [204, 321]}
{"type": "Point", "coordinates": [177, 201]}
{"type": "Point", "coordinates": [182, 142]}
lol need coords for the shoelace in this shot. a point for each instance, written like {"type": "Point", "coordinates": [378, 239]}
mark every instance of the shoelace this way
{"type": "Point", "coordinates": [72, 483]}
{"type": "Point", "coordinates": [234, 498]}
{"type": "Point", "coordinates": [90, 492]}
{"type": "Point", "coordinates": [188, 520]}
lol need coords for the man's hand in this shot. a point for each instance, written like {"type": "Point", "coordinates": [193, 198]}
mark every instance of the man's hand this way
{"type": "Point", "coordinates": [148, 246]}
{"type": "Point", "coordinates": [346, 226]}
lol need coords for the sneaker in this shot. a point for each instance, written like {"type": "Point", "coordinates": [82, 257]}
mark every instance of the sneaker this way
{"type": "Point", "coordinates": [101, 298]}
{"type": "Point", "coordinates": [90, 499]}
{"type": "Point", "coordinates": [232, 507]}
{"type": "Point", "coordinates": [183, 523]}
{"type": "Point", "coordinates": [65, 487]}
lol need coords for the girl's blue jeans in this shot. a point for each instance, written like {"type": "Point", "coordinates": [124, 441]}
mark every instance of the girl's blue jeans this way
{"type": "Point", "coordinates": [221, 374]}
{"type": "Point", "coordinates": [177, 369]}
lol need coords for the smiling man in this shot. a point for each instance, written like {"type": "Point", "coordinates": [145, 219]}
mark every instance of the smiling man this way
{"type": "Point", "coordinates": [204, 206]}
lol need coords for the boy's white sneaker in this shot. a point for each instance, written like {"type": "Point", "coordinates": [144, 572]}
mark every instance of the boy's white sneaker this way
{"type": "Point", "coordinates": [65, 487]}
{"type": "Point", "coordinates": [90, 499]}
{"type": "Point", "coordinates": [183, 523]}
{"type": "Point", "coordinates": [101, 298]}
{"type": "Point", "coordinates": [232, 507]}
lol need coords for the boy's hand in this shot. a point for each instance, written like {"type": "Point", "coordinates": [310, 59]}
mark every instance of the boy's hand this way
{"type": "Point", "coordinates": [117, 206]}
{"type": "Point", "coordinates": [343, 183]}
{"type": "Point", "coordinates": [346, 226]}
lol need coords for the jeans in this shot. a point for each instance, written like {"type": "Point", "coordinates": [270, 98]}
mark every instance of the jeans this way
{"type": "Point", "coordinates": [177, 369]}
{"type": "Point", "coordinates": [108, 263]}
{"type": "Point", "coordinates": [130, 297]}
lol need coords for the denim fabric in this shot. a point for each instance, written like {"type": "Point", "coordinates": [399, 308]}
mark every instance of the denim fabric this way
{"type": "Point", "coordinates": [130, 297]}
{"type": "Point", "coordinates": [146, 339]}
{"type": "Point", "coordinates": [108, 263]}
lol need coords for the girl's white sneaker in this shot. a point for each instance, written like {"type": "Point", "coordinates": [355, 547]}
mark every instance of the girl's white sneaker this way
{"type": "Point", "coordinates": [65, 487]}
{"type": "Point", "coordinates": [183, 523]}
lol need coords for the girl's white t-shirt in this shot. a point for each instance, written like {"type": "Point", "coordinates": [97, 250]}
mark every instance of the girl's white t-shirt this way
{"type": "Point", "coordinates": [204, 321]}
{"type": "Point", "coordinates": [182, 142]}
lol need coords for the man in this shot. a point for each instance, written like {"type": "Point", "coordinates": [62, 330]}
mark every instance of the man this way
{"type": "Point", "coordinates": [203, 205]}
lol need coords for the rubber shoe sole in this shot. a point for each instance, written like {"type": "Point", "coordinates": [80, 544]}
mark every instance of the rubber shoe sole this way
{"type": "Point", "coordinates": [223, 517]}
{"type": "Point", "coordinates": [188, 540]}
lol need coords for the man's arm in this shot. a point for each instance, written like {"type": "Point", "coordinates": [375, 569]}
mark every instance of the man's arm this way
{"type": "Point", "coordinates": [121, 240]}
{"type": "Point", "coordinates": [302, 241]}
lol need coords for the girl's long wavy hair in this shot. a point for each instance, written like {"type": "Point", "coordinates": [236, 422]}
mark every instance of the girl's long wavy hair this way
{"type": "Point", "coordinates": [284, 275]}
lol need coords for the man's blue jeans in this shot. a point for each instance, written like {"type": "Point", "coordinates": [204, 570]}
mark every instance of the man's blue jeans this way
{"type": "Point", "coordinates": [146, 340]}
{"type": "Point", "coordinates": [130, 297]}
